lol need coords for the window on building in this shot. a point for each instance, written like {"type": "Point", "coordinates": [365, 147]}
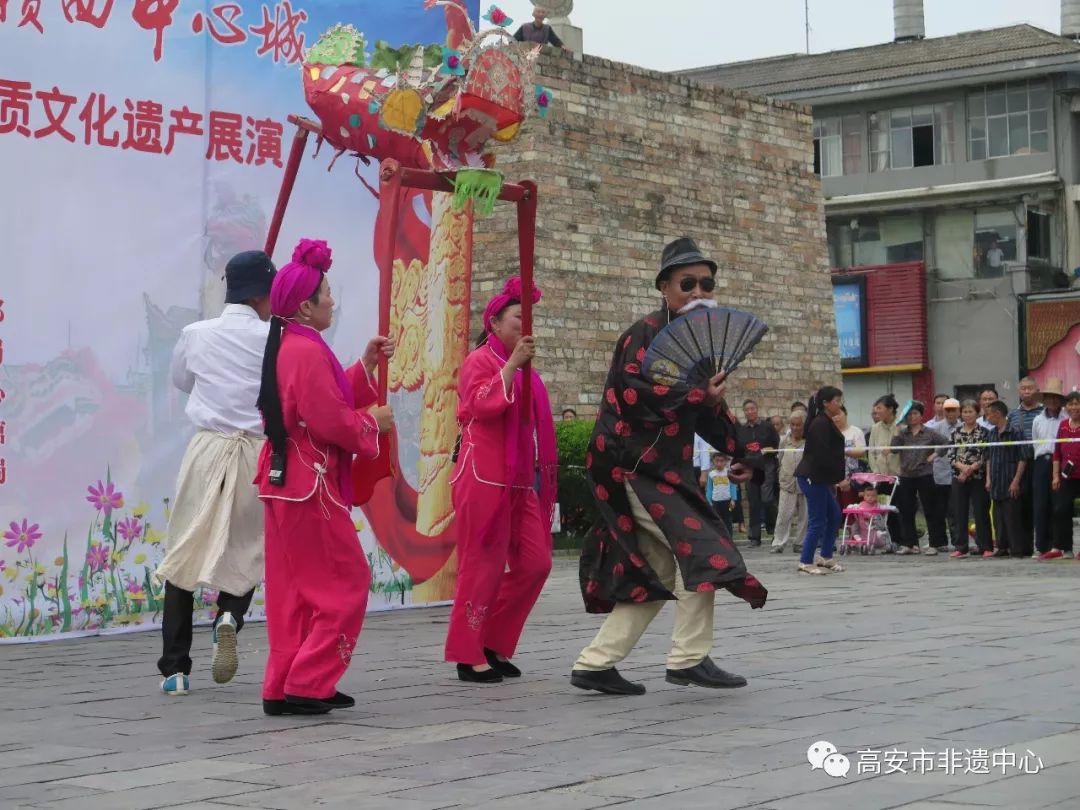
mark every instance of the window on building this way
{"type": "Point", "coordinates": [954, 244]}
{"type": "Point", "coordinates": [838, 145]}
{"type": "Point", "coordinates": [1038, 236]}
{"type": "Point", "coordinates": [912, 136]}
{"type": "Point", "coordinates": [865, 240]}
{"type": "Point", "coordinates": [1008, 119]}
{"type": "Point", "coordinates": [995, 241]}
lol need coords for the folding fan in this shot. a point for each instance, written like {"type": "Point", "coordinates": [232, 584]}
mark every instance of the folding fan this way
{"type": "Point", "coordinates": [701, 344]}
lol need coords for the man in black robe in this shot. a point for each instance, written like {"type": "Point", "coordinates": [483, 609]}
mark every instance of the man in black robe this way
{"type": "Point", "coordinates": [657, 539]}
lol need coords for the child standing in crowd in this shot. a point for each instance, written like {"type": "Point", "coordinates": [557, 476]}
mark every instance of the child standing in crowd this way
{"type": "Point", "coordinates": [1005, 467]}
{"type": "Point", "coordinates": [718, 489]}
{"type": "Point", "coordinates": [1066, 474]}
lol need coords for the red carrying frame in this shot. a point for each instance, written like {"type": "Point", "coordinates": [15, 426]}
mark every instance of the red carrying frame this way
{"type": "Point", "coordinates": [393, 177]}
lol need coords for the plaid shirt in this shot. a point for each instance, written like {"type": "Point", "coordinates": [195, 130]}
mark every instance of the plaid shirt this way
{"type": "Point", "coordinates": [970, 455]}
{"type": "Point", "coordinates": [1004, 461]}
{"type": "Point", "coordinates": [1021, 419]}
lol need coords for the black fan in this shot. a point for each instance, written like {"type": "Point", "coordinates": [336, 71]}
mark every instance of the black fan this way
{"type": "Point", "coordinates": [701, 344]}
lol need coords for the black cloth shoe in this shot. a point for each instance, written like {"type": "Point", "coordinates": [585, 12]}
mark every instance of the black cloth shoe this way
{"type": "Point", "coordinates": [755, 543]}
{"type": "Point", "coordinates": [1001, 552]}
{"type": "Point", "coordinates": [608, 681]}
{"type": "Point", "coordinates": [341, 701]}
{"type": "Point", "coordinates": [279, 707]}
{"type": "Point", "coordinates": [504, 668]}
{"type": "Point", "coordinates": [705, 674]}
{"type": "Point", "coordinates": [470, 675]}
{"type": "Point", "coordinates": [319, 703]}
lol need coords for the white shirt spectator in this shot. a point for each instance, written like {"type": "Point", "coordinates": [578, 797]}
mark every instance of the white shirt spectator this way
{"type": "Point", "coordinates": [703, 453]}
{"type": "Point", "coordinates": [219, 363]}
{"type": "Point", "coordinates": [943, 472]}
{"type": "Point", "coordinates": [994, 257]}
{"type": "Point", "coordinates": [854, 439]}
{"type": "Point", "coordinates": [1044, 430]}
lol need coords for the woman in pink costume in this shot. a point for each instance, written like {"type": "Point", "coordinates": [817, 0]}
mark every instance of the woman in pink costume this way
{"type": "Point", "coordinates": [503, 518]}
{"type": "Point", "coordinates": [317, 415]}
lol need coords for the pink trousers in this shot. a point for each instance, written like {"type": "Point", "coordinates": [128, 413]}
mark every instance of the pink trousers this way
{"type": "Point", "coordinates": [317, 580]}
{"type": "Point", "coordinates": [500, 573]}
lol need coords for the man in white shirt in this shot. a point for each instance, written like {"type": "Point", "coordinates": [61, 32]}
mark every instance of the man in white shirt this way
{"type": "Point", "coordinates": [1044, 429]}
{"type": "Point", "coordinates": [215, 534]}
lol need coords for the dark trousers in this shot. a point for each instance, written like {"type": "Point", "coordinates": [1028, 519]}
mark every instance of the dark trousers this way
{"type": "Point", "coordinates": [1042, 506]}
{"type": "Point", "coordinates": [1009, 526]}
{"type": "Point", "coordinates": [822, 520]}
{"type": "Point", "coordinates": [955, 536]}
{"type": "Point", "coordinates": [970, 498]}
{"type": "Point", "coordinates": [922, 489]}
{"type": "Point", "coordinates": [761, 511]}
{"type": "Point", "coordinates": [723, 510]}
{"type": "Point", "coordinates": [1027, 511]}
{"type": "Point", "coordinates": [177, 620]}
{"type": "Point", "coordinates": [893, 518]}
{"type": "Point", "coordinates": [1063, 513]}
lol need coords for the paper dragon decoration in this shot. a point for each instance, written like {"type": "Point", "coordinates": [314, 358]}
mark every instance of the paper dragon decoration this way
{"type": "Point", "coordinates": [435, 108]}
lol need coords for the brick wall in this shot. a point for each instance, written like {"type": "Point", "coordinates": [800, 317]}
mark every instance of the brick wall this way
{"type": "Point", "coordinates": [629, 159]}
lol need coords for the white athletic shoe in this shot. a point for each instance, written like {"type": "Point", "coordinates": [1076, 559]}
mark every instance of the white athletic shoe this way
{"type": "Point", "coordinates": [225, 660]}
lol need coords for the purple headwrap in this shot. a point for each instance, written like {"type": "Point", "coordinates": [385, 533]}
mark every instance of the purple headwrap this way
{"type": "Point", "coordinates": [295, 283]}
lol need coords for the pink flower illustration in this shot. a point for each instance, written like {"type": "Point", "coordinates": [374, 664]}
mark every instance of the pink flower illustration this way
{"type": "Point", "coordinates": [97, 557]}
{"type": "Point", "coordinates": [22, 537]}
{"type": "Point", "coordinates": [105, 497]}
{"type": "Point", "coordinates": [129, 528]}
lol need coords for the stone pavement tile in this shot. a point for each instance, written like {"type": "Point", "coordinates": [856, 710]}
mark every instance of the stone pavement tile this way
{"type": "Point", "coordinates": [44, 753]}
{"type": "Point", "coordinates": [346, 792]}
{"type": "Point", "coordinates": [151, 797]}
{"type": "Point", "coordinates": [457, 767]}
{"type": "Point", "coordinates": [161, 774]}
{"type": "Point", "coordinates": [670, 781]}
{"type": "Point", "coordinates": [19, 795]}
{"type": "Point", "coordinates": [556, 799]}
{"type": "Point", "coordinates": [864, 794]}
{"type": "Point", "coordinates": [713, 797]}
{"type": "Point", "coordinates": [1048, 787]}
{"type": "Point", "coordinates": [318, 770]}
{"type": "Point", "coordinates": [476, 789]}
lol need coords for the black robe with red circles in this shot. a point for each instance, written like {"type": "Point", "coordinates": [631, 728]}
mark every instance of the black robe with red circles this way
{"type": "Point", "coordinates": [645, 436]}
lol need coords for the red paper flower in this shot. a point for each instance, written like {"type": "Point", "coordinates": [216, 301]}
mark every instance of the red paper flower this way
{"type": "Point", "coordinates": [640, 355]}
{"type": "Point", "coordinates": [705, 587]}
{"type": "Point", "coordinates": [626, 343]}
{"type": "Point", "coordinates": [719, 561]}
{"type": "Point", "coordinates": [601, 442]}
{"type": "Point", "coordinates": [692, 523]}
{"type": "Point", "coordinates": [623, 429]}
{"type": "Point", "coordinates": [670, 415]}
{"type": "Point", "coordinates": [683, 549]}
{"type": "Point", "coordinates": [696, 397]}
{"type": "Point", "coordinates": [657, 510]}
{"type": "Point", "coordinates": [672, 477]}
{"type": "Point", "coordinates": [625, 523]}
{"type": "Point", "coordinates": [609, 395]}
{"type": "Point", "coordinates": [632, 368]}
{"type": "Point", "coordinates": [672, 430]}
{"type": "Point", "coordinates": [639, 594]}
{"type": "Point", "coordinates": [636, 561]}
{"type": "Point", "coordinates": [665, 489]}
{"type": "Point", "coordinates": [617, 570]}
{"type": "Point", "coordinates": [618, 475]}
{"type": "Point", "coordinates": [660, 390]}
{"type": "Point", "coordinates": [687, 452]}
{"type": "Point", "coordinates": [601, 493]}
{"type": "Point", "coordinates": [588, 461]}
{"type": "Point", "coordinates": [650, 455]}
{"type": "Point", "coordinates": [592, 586]}
{"type": "Point", "coordinates": [629, 396]}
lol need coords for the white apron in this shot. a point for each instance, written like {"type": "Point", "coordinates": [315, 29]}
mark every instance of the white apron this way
{"type": "Point", "coordinates": [215, 534]}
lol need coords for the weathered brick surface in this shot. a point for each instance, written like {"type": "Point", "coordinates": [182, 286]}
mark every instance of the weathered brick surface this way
{"type": "Point", "coordinates": [629, 159]}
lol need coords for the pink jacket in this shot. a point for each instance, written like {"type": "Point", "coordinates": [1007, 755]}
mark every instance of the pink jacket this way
{"type": "Point", "coordinates": [483, 398]}
{"type": "Point", "coordinates": [321, 427]}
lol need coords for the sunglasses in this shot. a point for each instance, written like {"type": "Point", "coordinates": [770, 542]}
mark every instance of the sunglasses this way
{"type": "Point", "coordinates": [707, 283]}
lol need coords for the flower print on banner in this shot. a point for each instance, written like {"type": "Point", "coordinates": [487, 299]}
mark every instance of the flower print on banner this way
{"type": "Point", "coordinates": [105, 497]}
{"type": "Point", "coordinates": [97, 558]}
{"type": "Point", "coordinates": [129, 528]}
{"type": "Point", "coordinates": [21, 538]}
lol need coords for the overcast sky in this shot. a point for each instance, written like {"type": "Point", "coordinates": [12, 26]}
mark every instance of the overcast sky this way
{"type": "Point", "coordinates": [674, 34]}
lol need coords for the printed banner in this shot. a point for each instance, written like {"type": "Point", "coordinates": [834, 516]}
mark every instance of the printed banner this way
{"type": "Point", "coordinates": [142, 145]}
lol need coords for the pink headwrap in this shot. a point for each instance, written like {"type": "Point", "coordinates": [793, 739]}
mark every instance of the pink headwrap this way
{"type": "Point", "coordinates": [523, 460]}
{"type": "Point", "coordinates": [295, 283]}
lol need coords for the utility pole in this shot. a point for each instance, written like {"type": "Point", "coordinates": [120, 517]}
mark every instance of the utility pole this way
{"type": "Point", "coordinates": [807, 15]}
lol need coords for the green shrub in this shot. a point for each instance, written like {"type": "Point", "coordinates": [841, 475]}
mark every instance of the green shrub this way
{"type": "Point", "coordinates": [576, 504]}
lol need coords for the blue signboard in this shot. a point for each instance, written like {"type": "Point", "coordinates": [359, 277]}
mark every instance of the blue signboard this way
{"type": "Point", "coordinates": [849, 302]}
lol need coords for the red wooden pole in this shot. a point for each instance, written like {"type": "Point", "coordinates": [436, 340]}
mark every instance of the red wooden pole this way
{"type": "Point", "coordinates": [292, 166]}
{"type": "Point", "coordinates": [390, 184]}
{"type": "Point", "coordinates": [526, 216]}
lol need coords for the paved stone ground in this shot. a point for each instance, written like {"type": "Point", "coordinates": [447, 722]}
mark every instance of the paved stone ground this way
{"type": "Point", "coordinates": [899, 653]}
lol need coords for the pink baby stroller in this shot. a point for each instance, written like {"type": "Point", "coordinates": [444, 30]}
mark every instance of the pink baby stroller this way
{"type": "Point", "coordinates": [866, 528]}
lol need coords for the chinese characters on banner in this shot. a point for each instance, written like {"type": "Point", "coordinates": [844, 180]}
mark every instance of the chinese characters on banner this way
{"type": "Point", "coordinates": [277, 34]}
{"type": "Point", "coordinates": [230, 136]}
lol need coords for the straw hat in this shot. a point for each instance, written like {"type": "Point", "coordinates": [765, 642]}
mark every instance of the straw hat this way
{"type": "Point", "coordinates": [1053, 388]}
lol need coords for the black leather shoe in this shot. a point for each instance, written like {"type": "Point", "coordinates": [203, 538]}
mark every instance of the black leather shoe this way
{"type": "Point", "coordinates": [705, 674]}
{"type": "Point", "coordinates": [279, 707]}
{"type": "Point", "coordinates": [470, 675]}
{"type": "Point", "coordinates": [341, 701]}
{"type": "Point", "coordinates": [608, 681]}
{"type": "Point", "coordinates": [504, 668]}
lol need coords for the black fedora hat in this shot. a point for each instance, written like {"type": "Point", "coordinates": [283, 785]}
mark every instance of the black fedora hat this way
{"type": "Point", "coordinates": [248, 275]}
{"type": "Point", "coordinates": [681, 253]}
